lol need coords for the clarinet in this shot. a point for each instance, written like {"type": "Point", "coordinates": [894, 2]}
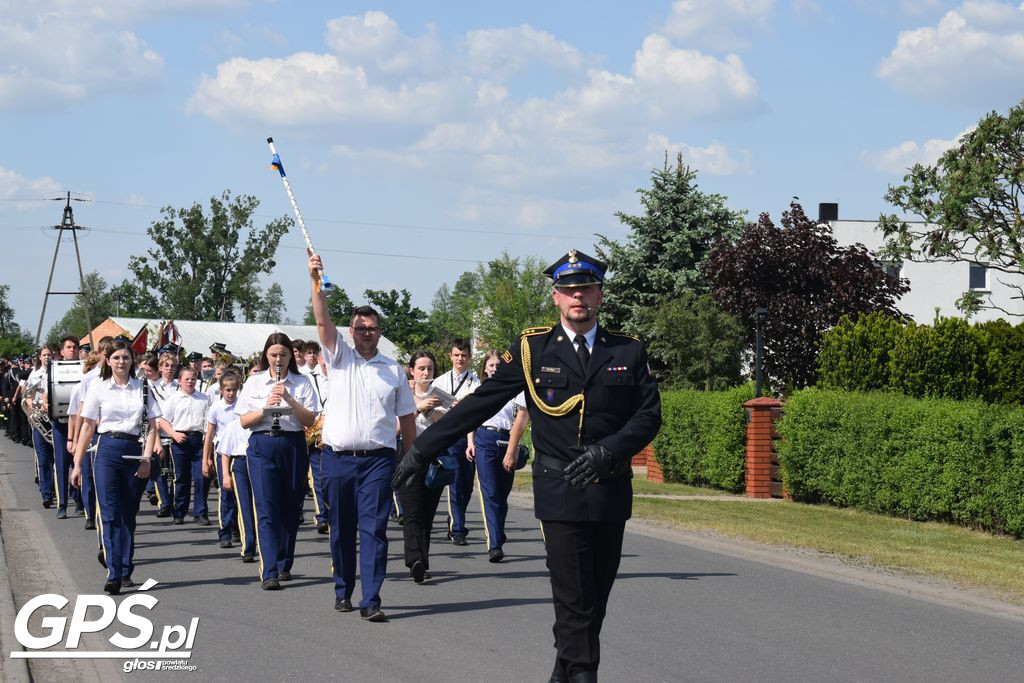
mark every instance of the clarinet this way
{"type": "Point", "coordinates": [276, 426]}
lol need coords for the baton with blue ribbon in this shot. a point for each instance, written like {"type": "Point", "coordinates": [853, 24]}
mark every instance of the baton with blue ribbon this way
{"type": "Point", "coordinates": [325, 284]}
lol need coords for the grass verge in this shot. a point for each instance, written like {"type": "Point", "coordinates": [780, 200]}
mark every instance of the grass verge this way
{"type": "Point", "coordinates": [961, 555]}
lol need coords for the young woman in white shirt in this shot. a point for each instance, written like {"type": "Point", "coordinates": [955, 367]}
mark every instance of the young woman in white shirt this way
{"type": "Point", "coordinates": [113, 409]}
{"type": "Point", "coordinates": [35, 385]}
{"type": "Point", "coordinates": [277, 457]}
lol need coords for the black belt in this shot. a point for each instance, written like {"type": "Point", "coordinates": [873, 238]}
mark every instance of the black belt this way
{"type": "Point", "coordinates": [551, 463]}
{"type": "Point", "coordinates": [503, 432]}
{"type": "Point", "coordinates": [193, 433]}
{"type": "Point", "coordinates": [278, 432]}
{"type": "Point", "coordinates": [361, 454]}
{"type": "Point", "coordinates": [121, 435]}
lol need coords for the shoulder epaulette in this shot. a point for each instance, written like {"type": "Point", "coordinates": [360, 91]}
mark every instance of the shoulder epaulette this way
{"type": "Point", "coordinates": [618, 333]}
{"type": "Point", "coordinates": [532, 331]}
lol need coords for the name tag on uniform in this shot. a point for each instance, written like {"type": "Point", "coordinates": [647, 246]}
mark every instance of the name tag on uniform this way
{"type": "Point", "coordinates": [547, 369]}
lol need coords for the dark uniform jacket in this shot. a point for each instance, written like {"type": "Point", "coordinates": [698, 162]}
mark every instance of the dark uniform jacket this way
{"type": "Point", "coordinates": [621, 410]}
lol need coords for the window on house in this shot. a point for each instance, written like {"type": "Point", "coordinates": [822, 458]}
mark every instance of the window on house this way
{"type": "Point", "coordinates": [890, 268]}
{"type": "Point", "coordinates": [978, 278]}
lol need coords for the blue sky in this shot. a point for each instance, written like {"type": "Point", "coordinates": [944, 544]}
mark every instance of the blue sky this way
{"type": "Point", "coordinates": [421, 138]}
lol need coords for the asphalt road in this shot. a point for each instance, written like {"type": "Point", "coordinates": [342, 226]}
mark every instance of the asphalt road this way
{"type": "Point", "coordinates": [683, 609]}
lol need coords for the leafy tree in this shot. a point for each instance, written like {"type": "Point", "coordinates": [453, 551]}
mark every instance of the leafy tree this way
{"type": "Point", "coordinates": [970, 202]}
{"type": "Point", "coordinates": [693, 343]}
{"type": "Point", "coordinates": [205, 265]}
{"type": "Point", "coordinates": [805, 280]}
{"type": "Point", "coordinates": [662, 255]}
{"type": "Point", "coordinates": [271, 307]}
{"type": "Point", "coordinates": [132, 301]}
{"type": "Point", "coordinates": [15, 345]}
{"type": "Point", "coordinates": [13, 340]}
{"type": "Point", "coordinates": [401, 322]}
{"type": "Point", "coordinates": [7, 325]}
{"type": "Point", "coordinates": [452, 310]}
{"type": "Point", "coordinates": [514, 294]}
{"type": "Point", "coordinates": [339, 305]}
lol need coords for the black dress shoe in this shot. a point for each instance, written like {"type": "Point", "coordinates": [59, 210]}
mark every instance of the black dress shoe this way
{"type": "Point", "coordinates": [89, 525]}
{"type": "Point", "coordinates": [127, 582]}
{"type": "Point", "coordinates": [112, 587]}
{"type": "Point", "coordinates": [584, 677]}
{"type": "Point", "coordinates": [272, 585]}
{"type": "Point", "coordinates": [372, 614]}
{"type": "Point", "coordinates": [284, 576]}
{"type": "Point", "coordinates": [179, 520]}
{"type": "Point", "coordinates": [47, 503]}
{"type": "Point", "coordinates": [322, 528]}
{"type": "Point", "coordinates": [418, 570]}
{"type": "Point", "coordinates": [495, 555]}
{"type": "Point", "coordinates": [102, 558]}
{"type": "Point", "coordinates": [459, 539]}
{"type": "Point", "coordinates": [163, 513]}
{"type": "Point", "coordinates": [204, 521]}
{"type": "Point", "coordinates": [343, 604]}
{"type": "Point", "coordinates": [226, 543]}
{"type": "Point", "coordinates": [153, 500]}
{"type": "Point", "coordinates": [248, 559]}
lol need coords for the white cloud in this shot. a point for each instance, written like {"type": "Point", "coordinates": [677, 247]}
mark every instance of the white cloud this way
{"type": "Point", "coordinates": [806, 9]}
{"type": "Point", "coordinates": [13, 185]}
{"type": "Point", "coordinates": [718, 24]}
{"type": "Point", "coordinates": [975, 51]}
{"type": "Point", "coordinates": [712, 159]}
{"type": "Point", "coordinates": [502, 52]}
{"type": "Point", "coordinates": [376, 42]}
{"type": "Point", "coordinates": [898, 159]}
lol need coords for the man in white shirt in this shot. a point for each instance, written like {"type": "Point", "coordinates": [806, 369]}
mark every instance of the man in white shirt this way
{"type": "Point", "coordinates": [367, 393]}
{"type": "Point", "coordinates": [184, 420]}
{"type": "Point", "coordinates": [460, 382]}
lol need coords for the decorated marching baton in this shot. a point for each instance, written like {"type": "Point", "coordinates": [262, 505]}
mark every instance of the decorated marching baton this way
{"type": "Point", "coordinates": [325, 284]}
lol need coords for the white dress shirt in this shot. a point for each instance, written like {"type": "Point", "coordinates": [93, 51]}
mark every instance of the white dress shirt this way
{"type": "Point", "coordinates": [118, 408]}
{"type": "Point", "coordinates": [220, 416]}
{"type": "Point", "coordinates": [254, 393]}
{"type": "Point", "coordinates": [364, 398]}
{"type": "Point", "coordinates": [590, 336]}
{"type": "Point", "coordinates": [186, 412]}
{"type": "Point", "coordinates": [83, 391]}
{"type": "Point", "coordinates": [235, 440]}
{"type": "Point", "coordinates": [503, 418]}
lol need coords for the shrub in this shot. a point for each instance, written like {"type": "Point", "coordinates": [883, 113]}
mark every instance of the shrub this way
{"type": "Point", "coordinates": [925, 459]}
{"type": "Point", "coordinates": [854, 356]}
{"type": "Point", "coordinates": [702, 437]}
{"type": "Point", "coordinates": [948, 360]}
{"type": "Point", "coordinates": [1004, 362]}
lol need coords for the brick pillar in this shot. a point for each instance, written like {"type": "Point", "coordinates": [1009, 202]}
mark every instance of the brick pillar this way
{"type": "Point", "coordinates": [643, 457]}
{"type": "Point", "coordinates": [760, 464]}
{"type": "Point", "coordinates": [654, 468]}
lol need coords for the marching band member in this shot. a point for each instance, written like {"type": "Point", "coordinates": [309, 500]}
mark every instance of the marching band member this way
{"type": "Point", "coordinates": [221, 414]}
{"type": "Point", "coordinates": [163, 389]}
{"type": "Point", "coordinates": [74, 408]}
{"type": "Point", "coordinates": [277, 457]}
{"type": "Point", "coordinates": [32, 395]}
{"type": "Point", "coordinates": [63, 457]}
{"type": "Point", "coordinates": [104, 347]}
{"type": "Point", "coordinates": [493, 447]}
{"type": "Point", "coordinates": [316, 371]}
{"type": "Point", "coordinates": [114, 409]}
{"type": "Point", "coordinates": [183, 418]}
{"type": "Point", "coordinates": [235, 477]}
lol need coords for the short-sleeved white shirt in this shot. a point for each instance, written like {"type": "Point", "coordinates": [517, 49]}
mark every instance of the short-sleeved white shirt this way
{"type": "Point", "coordinates": [186, 413]}
{"type": "Point", "coordinates": [118, 408]}
{"type": "Point", "coordinates": [235, 439]}
{"type": "Point", "coordinates": [254, 393]}
{"type": "Point", "coordinates": [220, 416]}
{"type": "Point", "coordinates": [364, 397]}
{"type": "Point", "coordinates": [319, 382]}
{"type": "Point", "coordinates": [162, 390]}
{"type": "Point", "coordinates": [503, 418]}
{"type": "Point", "coordinates": [37, 376]}
{"type": "Point", "coordinates": [83, 391]}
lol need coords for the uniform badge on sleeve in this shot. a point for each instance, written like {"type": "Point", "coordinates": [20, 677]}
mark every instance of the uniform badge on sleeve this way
{"type": "Point", "coordinates": [507, 357]}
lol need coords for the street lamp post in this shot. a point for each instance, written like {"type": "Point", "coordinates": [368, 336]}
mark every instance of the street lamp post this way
{"type": "Point", "coordinates": [759, 315]}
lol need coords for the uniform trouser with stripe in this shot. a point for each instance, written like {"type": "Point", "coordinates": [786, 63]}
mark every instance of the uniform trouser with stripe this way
{"type": "Point", "coordinates": [188, 476]}
{"type": "Point", "coordinates": [417, 507]}
{"type": "Point", "coordinates": [158, 484]}
{"type": "Point", "coordinates": [461, 491]}
{"type": "Point", "coordinates": [495, 484]}
{"type": "Point", "coordinates": [44, 461]}
{"type": "Point", "coordinates": [118, 492]}
{"type": "Point", "coordinates": [242, 489]}
{"type": "Point", "coordinates": [225, 504]}
{"type": "Point", "coordinates": [358, 494]}
{"type": "Point", "coordinates": [582, 558]}
{"type": "Point", "coordinates": [317, 485]}
{"type": "Point", "coordinates": [63, 461]}
{"type": "Point", "coordinates": [278, 488]}
{"type": "Point", "coordinates": [88, 487]}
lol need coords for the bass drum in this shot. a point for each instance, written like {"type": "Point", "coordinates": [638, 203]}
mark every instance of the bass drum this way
{"type": "Point", "coordinates": [61, 380]}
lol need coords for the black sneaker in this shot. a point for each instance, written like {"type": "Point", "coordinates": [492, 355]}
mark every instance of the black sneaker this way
{"type": "Point", "coordinates": [47, 503]}
{"type": "Point", "coordinates": [284, 576]}
{"type": "Point", "coordinates": [179, 520]}
{"type": "Point", "coordinates": [226, 543]}
{"type": "Point", "coordinates": [459, 539]}
{"type": "Point", "coordinates": [127, 582]}
{"type": "Point", "coordinates": [248, 559]}
{"type": "Point", "coordinates": [272, 585]}
{"type": "Point", "coordinates": [372, 614]}
{"type": "Point", "coordinates": [112, 587]}
{"type": "Point", "coordinates": [343, 605]}
{"type": "Point", "coordinates": [418, 571]}
{"type": "Point", "coordinates": [495, 555]}
{"type": "Point", "coordinates": [153, 500]}
{"type": "Point", "coordinates": [166, 512]}
{"type": "Point", "coordinates": [89, 524]}
{"type": "Point", "coordinates": [322, 528]}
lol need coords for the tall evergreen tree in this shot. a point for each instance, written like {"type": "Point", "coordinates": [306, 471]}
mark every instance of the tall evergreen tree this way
{"type": "Point", "coordinates": [662, 254]}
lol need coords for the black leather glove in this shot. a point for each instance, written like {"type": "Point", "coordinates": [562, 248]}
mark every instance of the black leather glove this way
{"type": "Point", "coordinates": [411, 466]}
{"type": "Point", "coordinates": [595, 462]}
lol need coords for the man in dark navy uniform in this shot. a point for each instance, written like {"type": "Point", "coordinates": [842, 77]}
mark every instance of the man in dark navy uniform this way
{"type": "Point", "coordinates": [593, 405]}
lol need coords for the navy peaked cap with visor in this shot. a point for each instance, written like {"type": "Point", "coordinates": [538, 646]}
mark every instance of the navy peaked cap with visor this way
{"type": "Point", "coordinates": [576, 269]}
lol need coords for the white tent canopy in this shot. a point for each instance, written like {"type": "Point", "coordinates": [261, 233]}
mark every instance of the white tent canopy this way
{"type": "Point", "coordinates": [241, 339]}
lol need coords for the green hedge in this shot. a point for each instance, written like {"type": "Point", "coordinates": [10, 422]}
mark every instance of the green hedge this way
{"type": "Point", "coordinates": [925, 459]}
{"type": "Point", "coordinates": [701, 441]}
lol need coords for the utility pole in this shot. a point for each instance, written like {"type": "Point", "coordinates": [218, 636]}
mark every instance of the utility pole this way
{"type": "Point", "coordinates": [66, 223]}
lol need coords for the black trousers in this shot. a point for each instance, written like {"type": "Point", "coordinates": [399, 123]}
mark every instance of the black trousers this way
{"type": "Point", "coordinates": [583, 559]}
{"type": "Point", "coordinates": [417, 506]}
